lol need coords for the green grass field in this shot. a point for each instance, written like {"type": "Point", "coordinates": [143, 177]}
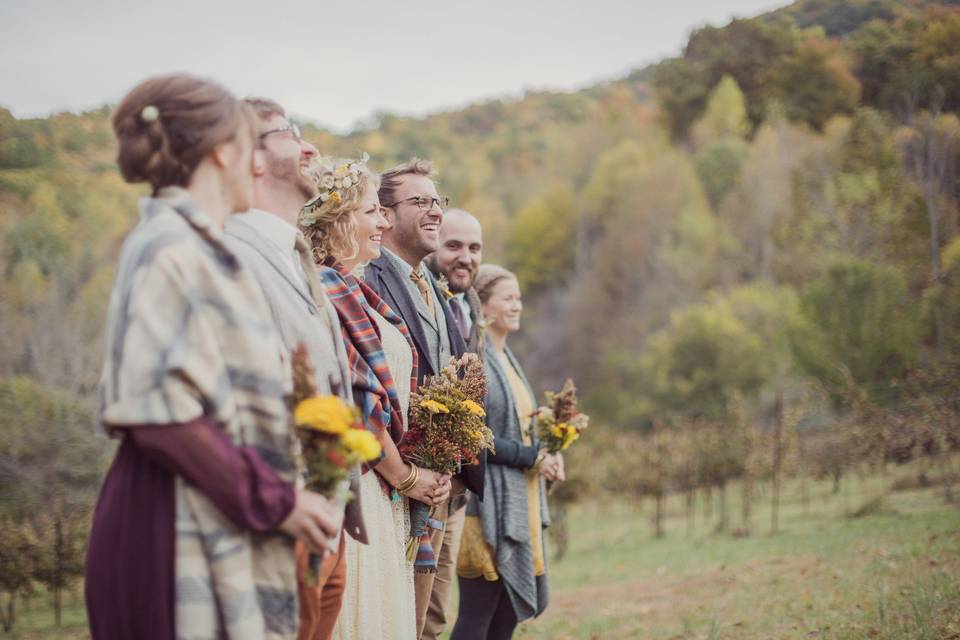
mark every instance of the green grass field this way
{"type": "Point", "coordinates": [892, 573]}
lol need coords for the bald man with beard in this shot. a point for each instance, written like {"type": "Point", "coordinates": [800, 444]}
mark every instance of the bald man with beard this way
{"type": "Point", "coordinates": [457, 259]}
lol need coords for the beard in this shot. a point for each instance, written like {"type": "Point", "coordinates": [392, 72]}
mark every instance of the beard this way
{"type": "Point", "coordinates": [460, 284]}
{"type": "Point", "coordinates": [408, 236]}
{"type": "Point", "coordinates": [288, 171]}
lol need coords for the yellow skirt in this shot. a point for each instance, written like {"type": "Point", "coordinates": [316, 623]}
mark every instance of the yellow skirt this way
{"type": "Point", "coordinates": [476, 557]}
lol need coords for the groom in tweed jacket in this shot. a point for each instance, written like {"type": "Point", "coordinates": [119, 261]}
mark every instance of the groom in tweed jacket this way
{"type": "Point", "coordinates": [267, 240]}
{"type": "Point", "coordinates": [399, 276]}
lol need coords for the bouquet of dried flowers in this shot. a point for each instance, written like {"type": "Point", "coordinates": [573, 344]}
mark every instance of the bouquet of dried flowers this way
{"type": "Point", "coordinates": [560, 423]}
{"type": "Point", "coordinates": [447, 430]}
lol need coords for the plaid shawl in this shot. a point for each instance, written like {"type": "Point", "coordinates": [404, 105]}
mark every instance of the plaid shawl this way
{"type": "Point", "coordinates": [374, 389]}
{"type": "Point", "coordinates": [189, 335]}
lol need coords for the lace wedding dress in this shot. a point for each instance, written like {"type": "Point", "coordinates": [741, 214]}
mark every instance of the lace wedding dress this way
{"type": "Point", "coordinates": [378, 598]}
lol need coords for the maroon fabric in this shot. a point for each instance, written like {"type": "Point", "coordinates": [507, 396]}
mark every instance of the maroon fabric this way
{"type": "Point", "coordinates": [130, 558]}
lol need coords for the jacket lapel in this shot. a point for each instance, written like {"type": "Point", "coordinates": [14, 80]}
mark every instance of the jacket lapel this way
{"type": "Point", "coordinates": [457, 344]}
{"type": "Point", "coordinates": [476, 316]}
{"type": "Point", "coordinates": [394, 292]}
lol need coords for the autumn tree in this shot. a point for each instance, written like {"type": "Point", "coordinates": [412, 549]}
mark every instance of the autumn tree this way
{"type": "Point", "coordinates": [866, 326]}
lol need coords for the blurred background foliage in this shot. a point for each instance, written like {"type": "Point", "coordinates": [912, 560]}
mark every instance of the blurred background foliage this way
{"type": "Point", "coordinates": [747, 256]}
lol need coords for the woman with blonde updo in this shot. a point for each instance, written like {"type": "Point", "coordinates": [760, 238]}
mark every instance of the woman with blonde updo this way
{"type": "Point", "coordinates": [192, 533]}
{"type": "Point", "coordinates": [502, 564]}
{"type": "Point", "coordinates": [344, 225]}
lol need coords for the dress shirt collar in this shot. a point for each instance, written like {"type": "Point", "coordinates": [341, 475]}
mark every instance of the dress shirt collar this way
{"type": "Point", "coordinates": [402, 264]}
{"type": "Point", "coordinates": [273, 227]}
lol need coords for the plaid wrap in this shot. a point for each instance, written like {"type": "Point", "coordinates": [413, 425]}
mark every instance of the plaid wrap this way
{"type": "Point", "coordinates": [189, 335]}
{"type": "Point", "coordinates": [374, 389]}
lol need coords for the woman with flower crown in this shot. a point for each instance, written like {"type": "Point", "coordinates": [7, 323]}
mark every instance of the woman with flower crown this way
{"type": "Point", "coordinates": [344, 225]}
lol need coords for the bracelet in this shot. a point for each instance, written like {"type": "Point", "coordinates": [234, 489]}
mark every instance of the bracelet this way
{"type": "Point", "coordinates": [411, 480]}
{"type": "Point", "coordinates": [407, 486]}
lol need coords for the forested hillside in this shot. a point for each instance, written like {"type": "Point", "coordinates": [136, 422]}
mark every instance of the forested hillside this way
{"type": "Point", "coordinates": [776, 207]}
{"type": "Point", "coordinates": [765, 226]}
{"type": "Point", "coordinates": [807, 152]}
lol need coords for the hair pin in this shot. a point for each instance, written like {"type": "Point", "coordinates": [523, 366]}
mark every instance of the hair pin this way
{"type": "Point", "coordinates": [149, 113]}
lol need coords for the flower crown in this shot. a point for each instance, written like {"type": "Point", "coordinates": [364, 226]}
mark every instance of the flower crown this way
{"type": "Point", "coordinates": [332, 180]}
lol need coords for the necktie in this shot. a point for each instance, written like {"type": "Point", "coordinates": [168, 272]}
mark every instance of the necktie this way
{"type": "Point", "coordinates": [317, 292]}
{"type": "Point", "coordinates": [457, 310]}
{"type": "Point", "coordinates": [418, 279]}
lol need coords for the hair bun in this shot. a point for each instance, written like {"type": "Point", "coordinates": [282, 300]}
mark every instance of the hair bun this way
{"type": "Point", "coordinates": [196, 115]}
{"type": "Point", "coordinates": [145, 155]}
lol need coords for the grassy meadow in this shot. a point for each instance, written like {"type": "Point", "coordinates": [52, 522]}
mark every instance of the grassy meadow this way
{"type": "Point", "coordinates": [866, 562]}
{"type": "Point", "coordinates": [892, 571]}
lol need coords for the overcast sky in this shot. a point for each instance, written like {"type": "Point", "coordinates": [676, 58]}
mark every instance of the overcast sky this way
{"type": "Point", "coordinates": [338, 62]}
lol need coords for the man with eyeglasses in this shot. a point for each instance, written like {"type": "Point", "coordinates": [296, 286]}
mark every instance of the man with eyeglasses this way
{"type": "Point", "coordinates": [268, 242]}
{"type": "Point", "coordinates": [399, 276]}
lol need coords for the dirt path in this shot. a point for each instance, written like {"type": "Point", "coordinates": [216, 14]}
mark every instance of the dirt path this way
{"type": "Point", "coordinates": [672, 593]}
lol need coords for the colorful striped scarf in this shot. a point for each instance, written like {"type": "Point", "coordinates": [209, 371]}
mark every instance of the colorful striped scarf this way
{"type": "Point", "coordinates": [374, 388]}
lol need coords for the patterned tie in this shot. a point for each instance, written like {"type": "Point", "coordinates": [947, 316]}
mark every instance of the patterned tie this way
{"type": "Point", "coordinates": [420, 280]}
{"type": "Point", "coordinates": [457, 310]}
{"type": "Point", "coordinates": [317, 292]}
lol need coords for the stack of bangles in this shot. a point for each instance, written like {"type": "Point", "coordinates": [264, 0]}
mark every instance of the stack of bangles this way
{"type": "Point", "coordinates": [405, 486]}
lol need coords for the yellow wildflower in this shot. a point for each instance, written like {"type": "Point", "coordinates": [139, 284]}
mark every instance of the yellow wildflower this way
{"type": "Point", "coordinates": [335, 197]}
{"type": "Point", "coordinates": [474, 408]}
{"type": "Point", "coordinates": [329, 414]}
{"type": "Point", "coordinates": [570, 438]}
{"type": "Point", "coordinates": [434, 407]}
{"type": "Point", "coordinates": [361, 442]}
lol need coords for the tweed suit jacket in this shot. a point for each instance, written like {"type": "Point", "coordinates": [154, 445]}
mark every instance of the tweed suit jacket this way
{"type": "Point", "coordinates": [299, 319]}
{"type": "Point", "coordinates": [389, 283]}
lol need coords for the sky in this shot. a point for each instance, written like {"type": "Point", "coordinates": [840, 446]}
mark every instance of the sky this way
{"type": "Point", "coordinates": [337, 63]}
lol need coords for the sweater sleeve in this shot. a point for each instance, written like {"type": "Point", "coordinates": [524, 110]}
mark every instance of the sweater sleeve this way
{"type": "Point", "coordinates": [244, 487]}
{"type": "Point", "coordinates": [513, 453]}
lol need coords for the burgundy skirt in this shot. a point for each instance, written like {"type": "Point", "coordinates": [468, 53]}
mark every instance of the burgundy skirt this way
{"type": "Point", "coordinates": [130, 557]}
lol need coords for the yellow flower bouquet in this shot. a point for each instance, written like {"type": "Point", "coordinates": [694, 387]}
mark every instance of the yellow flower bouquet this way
{"type": "Point", "coordinates": [560, 423]}
{"type": "Point", "coordinates": [331, 436]}
{"type": "Point", "coordinates": [447, 430]}
{"type": "Point", "coordinates": [447, 420]}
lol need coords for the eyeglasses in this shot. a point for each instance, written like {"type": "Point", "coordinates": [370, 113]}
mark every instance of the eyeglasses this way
{"type": "Point", "coordinates": [424, 203]}
{"type": "Point", "coordinates": [292, 128]}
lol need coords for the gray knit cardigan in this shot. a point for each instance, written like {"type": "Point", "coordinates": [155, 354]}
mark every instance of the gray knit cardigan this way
{"type": "Point", "coordinates": [503, 512]}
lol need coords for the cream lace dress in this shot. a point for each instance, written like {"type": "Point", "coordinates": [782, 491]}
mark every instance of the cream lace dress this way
{"type": "Point", "coordinates": [378, 598]}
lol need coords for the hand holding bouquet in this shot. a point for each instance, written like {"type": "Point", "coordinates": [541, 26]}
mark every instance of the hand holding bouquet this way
{"type": "Point", "coordinates": [332, 439]}
{"type": "Point", "coordinates": [447, 430]}
{"type": "Point", "coordinates": [560, 423]}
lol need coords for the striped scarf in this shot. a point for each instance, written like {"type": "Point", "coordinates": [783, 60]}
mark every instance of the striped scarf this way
{"type": "Point", "coordinates": [374, 388]}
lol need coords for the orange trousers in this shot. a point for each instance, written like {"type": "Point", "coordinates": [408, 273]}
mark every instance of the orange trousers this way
{"type": "Point", "coordinates": [320, 604]}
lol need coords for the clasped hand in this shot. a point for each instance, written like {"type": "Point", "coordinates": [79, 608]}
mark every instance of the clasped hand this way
{"type": "Point", "coordinates": [432, 488]}
{"type": "Point", "coordinates": [314, 520]}
{"type": "Point", "coordinates": [551, 467]}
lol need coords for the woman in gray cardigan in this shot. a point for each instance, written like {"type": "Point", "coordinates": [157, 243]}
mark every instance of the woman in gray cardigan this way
{"type": "Point", "coordinates": [502, 562]}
